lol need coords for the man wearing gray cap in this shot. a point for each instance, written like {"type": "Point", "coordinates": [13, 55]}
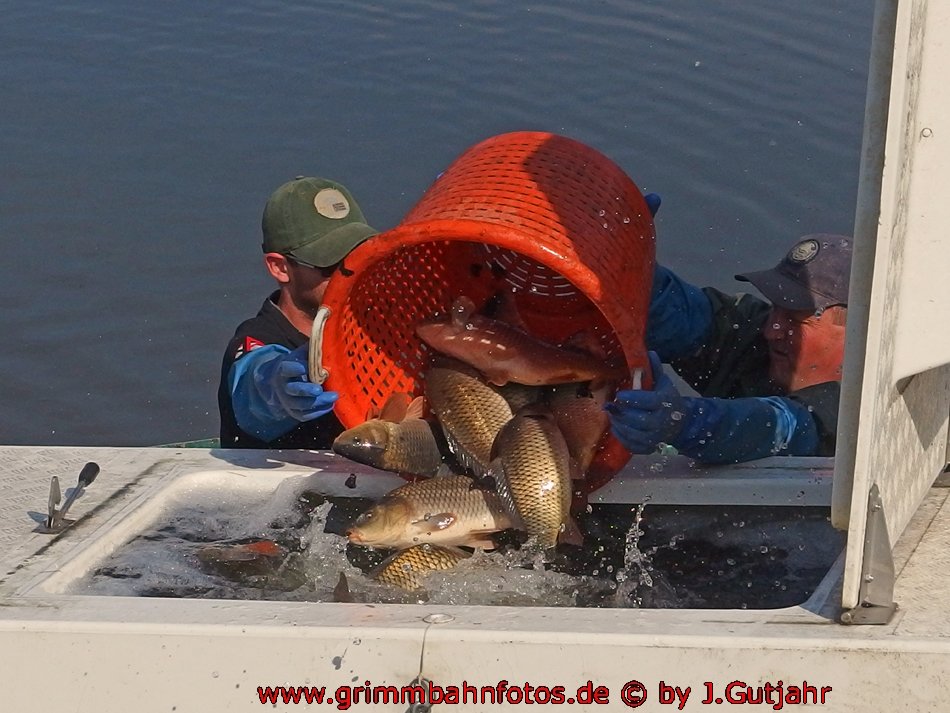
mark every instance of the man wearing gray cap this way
{"type": "Point", "coordinates": [264, 397]}
{"type": "Point", "coordinates": [768, 374]}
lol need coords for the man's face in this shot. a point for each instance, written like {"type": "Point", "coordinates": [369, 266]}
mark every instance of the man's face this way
{"type": "Point", "coordinates": [302, 286]}
{"type": "Point", "coordinates": [805, 348]}
{"type": "Point", "coordinates": [307, 285]}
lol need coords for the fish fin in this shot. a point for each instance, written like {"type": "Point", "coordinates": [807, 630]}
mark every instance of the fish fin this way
{"type": "Point", "coordinates": [395, 407]}
{"type": "Point", "coordinates": [496, 471]}
{"type": "Point", "coordinates": [444, 471]}
{"type": "Point", "coordinates": [462, 308]}
{"type": "Point", "coordinates": [570, 533]}
{"type": "Point", "coordinates": [507, 310]}
{"type": "Point", "coordinates": [497, 377]}
{"type": "Point", "coordinates": [465, 459]}
{"type": "Point", "coordinates": [480, 540]}
{"type": "Point", "coordinates": [436, 522]}
{"type": "Point", "coordinates": [341, 592]}
{"type": "Point", "coordinates": [416, 407]}
{"type": "Point", "coordinates": [372, 412]}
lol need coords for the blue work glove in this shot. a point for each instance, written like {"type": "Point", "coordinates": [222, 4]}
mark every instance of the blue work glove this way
{"type": "Point", "coordinates": [710, 430]}
{"type": "Point", "coordinates": [642, 420]}
{"type": "Point", "coordinates": [653, 202]}
{"type": "Point", "coordinates": [284, 380]}
{"type": "Point", "coordinates": [271, 394]}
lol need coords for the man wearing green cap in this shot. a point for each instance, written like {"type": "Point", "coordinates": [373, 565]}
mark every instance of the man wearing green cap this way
{"type": "Point", "coordinates": [264, 397]}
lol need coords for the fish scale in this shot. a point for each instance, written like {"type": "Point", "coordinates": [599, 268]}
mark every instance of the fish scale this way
{"type": "Point", "coordinates": [579, 412]}
{"type": "Point", "coordinates": [448, 510]}
{"type": "Point", "coordinates": [532, 469]}
{"type": "Point", "coordinates": [470, 412]}
{"type": "Point", "coordinates": [405, 447]}
{"type": "Point", "coordinates": [408, 568]}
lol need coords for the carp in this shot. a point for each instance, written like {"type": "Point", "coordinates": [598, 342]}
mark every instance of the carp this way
{"type": "Point", "coordinates": [408, 568]}
{"type": "Point", "coordinates": [470, 412]}
{"type": "Point", "coordinates": [399, 440]}
{"type": "Point", "coordinates": [450, 510]}
{"type": "Point", "coordinates": [504, 353]}
{"type": "Point", "coordinates": [532, 468]}
{"type": "Point", "coordinates": [579, 413]}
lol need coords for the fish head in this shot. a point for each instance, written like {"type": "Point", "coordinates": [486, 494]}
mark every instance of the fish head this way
{"type": "Point", "coordinates": [366, 443]}
{"type": "Point", "coordinates": [382, 525]}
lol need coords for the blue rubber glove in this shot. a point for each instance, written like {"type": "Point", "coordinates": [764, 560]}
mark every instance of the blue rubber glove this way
{"type": "Point", "coordinates": [710, 430]}
{"type": "Point", "coordinates": [680, 316]}
{"type": "Point", "coordinates": [653, 202]}
{"type": "Point", "coordinates": [642, 420]}
{"type": "Point", "coordinates": [271, 394]}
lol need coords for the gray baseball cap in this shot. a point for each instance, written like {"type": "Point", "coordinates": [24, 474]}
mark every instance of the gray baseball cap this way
{"type": "Point", "coordinates": [813, 275]}
{"type": "Point", "coordinates": [315, 220]}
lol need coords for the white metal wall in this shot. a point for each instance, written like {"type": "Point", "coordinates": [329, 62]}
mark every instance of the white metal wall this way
{"type": "Point", "coordinates": [893, 429]}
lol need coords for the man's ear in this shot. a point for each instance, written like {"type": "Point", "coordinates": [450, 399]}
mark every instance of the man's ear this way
{"type": "Point", "coordinates": [278, 266]}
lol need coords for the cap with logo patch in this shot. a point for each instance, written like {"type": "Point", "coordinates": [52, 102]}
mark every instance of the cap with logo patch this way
{"type": "Point", "coordinates": [813, 275]}
{"type": "Point", "coordinates": [314, 220]}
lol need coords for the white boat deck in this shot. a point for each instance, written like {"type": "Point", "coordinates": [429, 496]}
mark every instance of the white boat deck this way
{"type": "Point", "coordinates": [145, 654]}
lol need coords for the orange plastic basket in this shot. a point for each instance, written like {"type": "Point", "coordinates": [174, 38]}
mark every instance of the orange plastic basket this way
{"type": "Point", "coordinates": [546, 216]}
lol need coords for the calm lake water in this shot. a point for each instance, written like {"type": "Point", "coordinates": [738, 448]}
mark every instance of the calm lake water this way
{"type": "Point", "coordinates": [139, 143]}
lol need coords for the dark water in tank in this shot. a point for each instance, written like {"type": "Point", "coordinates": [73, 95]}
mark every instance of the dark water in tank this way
{"type": "Point", "coordinates": [139, 143]}
{"type": "Point", "coordinates": [290, 545]}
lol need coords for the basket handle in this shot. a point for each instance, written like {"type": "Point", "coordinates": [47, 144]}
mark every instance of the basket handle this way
{"type": "Point", "coordinates": [636, 378]}
{"type": "Point", "coordinates": [315, 370]}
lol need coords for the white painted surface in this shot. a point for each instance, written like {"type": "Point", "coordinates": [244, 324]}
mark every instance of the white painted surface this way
{"type": "Point", "coordinates": [894, 434]}
{"type": "Point", "coordinates": [105, 654]}
{"type": "Point", "coordinates": [677, 480]}
{"type": "Point", "coordinates": [921, 341]}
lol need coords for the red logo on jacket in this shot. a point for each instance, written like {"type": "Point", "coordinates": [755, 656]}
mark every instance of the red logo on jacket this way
{"type": "Point", "coordinates": [249, 344]}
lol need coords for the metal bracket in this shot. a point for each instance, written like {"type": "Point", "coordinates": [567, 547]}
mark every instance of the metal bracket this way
{"type": "Point", "coordinates": [876, 594]}
{"type": "Point", "coordinates": [56, 520]}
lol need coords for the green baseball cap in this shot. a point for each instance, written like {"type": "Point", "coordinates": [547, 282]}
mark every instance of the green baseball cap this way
{"type": "Point", "coordinates": [314, 220]}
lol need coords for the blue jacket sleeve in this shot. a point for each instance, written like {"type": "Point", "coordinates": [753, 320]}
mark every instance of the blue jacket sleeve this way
{"type": "Point", "coordinates": [256, 408]}
{"type": "Point", "coordinates": [680, 316]}
{"type": "Point", "coordinates": [738, 430]}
